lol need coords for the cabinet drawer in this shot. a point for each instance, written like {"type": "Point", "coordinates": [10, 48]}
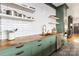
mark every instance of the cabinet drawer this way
{"type": "Point", "coordinates": [19, 48]}
{"type": "Point", "coordinates": [45, 46]}
{"type": "Point", "coordinates": [45, 43]}
{"type": "Point", "coordinates": [52, 39]}
{"type": "Point", "coordinates": [25, 49]}
{"type": "Point", "coordinates": [48, 45]}
{"type": "Point", "coordinates": [28, 49]}
{"type": "Point", "coordinates": [37, 48]}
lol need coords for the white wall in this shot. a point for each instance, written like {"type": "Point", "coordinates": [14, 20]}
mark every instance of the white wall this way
{"type": "Point", "coordinates": [29, 28]}
{"type": "Point", "coordinates": [74, 11]}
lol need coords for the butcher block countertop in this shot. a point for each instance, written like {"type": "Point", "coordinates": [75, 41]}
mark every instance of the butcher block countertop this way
{"type": "Point", "coordinates": [24, 39]}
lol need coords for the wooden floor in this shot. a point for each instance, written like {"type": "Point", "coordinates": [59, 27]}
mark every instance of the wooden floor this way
{"type": "Point", "coordinates": [71, 48]}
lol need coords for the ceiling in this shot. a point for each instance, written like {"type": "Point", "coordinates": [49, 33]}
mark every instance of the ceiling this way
{"type": "Point", "coordinates": [57, 4]}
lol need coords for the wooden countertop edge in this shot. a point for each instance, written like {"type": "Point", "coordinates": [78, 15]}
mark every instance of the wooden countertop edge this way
{"type": "Point", "coordinates": [20, 40]}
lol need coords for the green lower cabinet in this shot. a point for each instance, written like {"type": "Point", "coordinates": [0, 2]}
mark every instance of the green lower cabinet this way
{"type": "Point", "coordinates": [52, 47]}
{"type": "Point", "coordinates": [36, 48]}
{"type": "Point", "coordinates": [24, 50]}
{"type": "Point", "coordinates": [41, 47]}
{"type": "Point", "coordinates": [36, 51]}
{"type": "Point", "coordinates": [49, 45]}
{"type": "Point", "coordinates": [62, 38]}
{"type": "Point", "coordinates": [46, 46]}
{"type": "Point", "coordinates": [52, 43]}
{"type": "Point", "coordinates": [46, 51]}
{"type": "Point", "coordinates": [28, 49]}
{"type": "Point", "coordinates": [7, 52]}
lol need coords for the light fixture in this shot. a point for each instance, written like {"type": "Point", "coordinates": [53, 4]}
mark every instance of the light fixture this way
{"type": "Point", "coordinates": [76, 40]}
{"type": "Point", "coordinates": [71, 24]}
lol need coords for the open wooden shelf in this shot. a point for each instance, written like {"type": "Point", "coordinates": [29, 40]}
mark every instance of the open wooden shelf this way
{"type": "Point", "coordinates": [20, 7]}
{"type": "Point", "coordinates": [15, 17]}
{"type": "Point", "coordinates": [53, 17]}
{"type": "Point", "coordinates": [53, 23]}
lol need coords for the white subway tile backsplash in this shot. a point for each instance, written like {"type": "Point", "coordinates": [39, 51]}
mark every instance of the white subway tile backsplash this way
{"type": "Point", "coordinates": [29, 28]}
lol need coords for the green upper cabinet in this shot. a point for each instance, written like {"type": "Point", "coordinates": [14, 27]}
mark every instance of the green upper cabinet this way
{"type": "Point", "coordinates": [61, 12]}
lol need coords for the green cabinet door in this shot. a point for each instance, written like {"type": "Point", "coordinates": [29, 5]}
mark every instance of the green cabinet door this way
{"type": "Point", "coordinates": [52, 43]}
{"type": "Point", "coordinates": [28, 49]}
{"type": "Point", "coordinates": [24, 50]}
{"type": "Point", "coordinates": [7, 51]}
{"type": "Point", "coordinates": [61, 13]}
{"type": "Point", "coordinates": [36, 48]}
{"type": "Point", "coordinates": [62, 39]}
{"type": "Point", "coordinates": [46, 46]}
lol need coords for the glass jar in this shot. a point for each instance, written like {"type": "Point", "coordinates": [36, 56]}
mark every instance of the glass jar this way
{"type": "Point", "coordinates": [8, 12]}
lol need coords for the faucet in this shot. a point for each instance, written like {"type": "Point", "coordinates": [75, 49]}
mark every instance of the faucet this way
{"type": "Point", "coordinates": [43, 29]}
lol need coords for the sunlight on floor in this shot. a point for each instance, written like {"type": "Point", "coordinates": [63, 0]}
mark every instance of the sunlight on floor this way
{"type": "Point", "coordinates": [76, 40]}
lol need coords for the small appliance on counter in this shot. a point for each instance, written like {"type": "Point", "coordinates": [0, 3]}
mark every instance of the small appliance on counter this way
{"type": "Point", "coordinates": [10, 33]}
{"type": "Point", "coordinates": [7, 35]}
{"type": "Point", "coordinates": [44, 29]}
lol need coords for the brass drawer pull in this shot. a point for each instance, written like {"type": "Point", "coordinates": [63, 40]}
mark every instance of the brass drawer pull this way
{"type": "Point", "coordinates": [20, 46]}
{"type": "Point", "coordinates": [20, 53]}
